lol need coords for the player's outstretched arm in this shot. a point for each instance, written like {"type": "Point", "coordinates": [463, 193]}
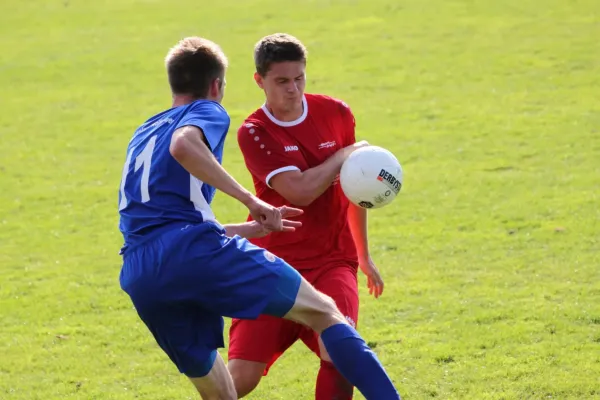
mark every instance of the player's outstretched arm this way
{"type": "Point", "coordinates": [357, 219]}
{"type": "Point", "coordinates": [253, 229]}
{"type": "Point", "coordinates": [248, 230]}
{"type": "Point", "coordinates": [302, 187]}
{"type": "Point", "coordinates": [188, 147]}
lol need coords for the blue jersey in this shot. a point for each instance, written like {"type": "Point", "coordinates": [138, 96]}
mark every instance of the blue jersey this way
{"type": "Point", "coordinates": [156, 191]}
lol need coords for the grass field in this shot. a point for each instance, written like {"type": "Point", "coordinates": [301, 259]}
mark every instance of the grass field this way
{"type": "Point", "coordinates": [490, 254]}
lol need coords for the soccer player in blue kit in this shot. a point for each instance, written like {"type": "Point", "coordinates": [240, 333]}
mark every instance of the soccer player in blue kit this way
{"type": "Point", "coordinates": [183, 270]}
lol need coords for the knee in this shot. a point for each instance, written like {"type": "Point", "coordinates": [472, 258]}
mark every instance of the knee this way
{"type": "Point", "coordinates": [315, 309]}
{"type": "Point", "coordinates": [329, 307]}
{"type": "Point", "coordinates": [325, 314]}
{"type": "Point", "coordinates": [246, 375]}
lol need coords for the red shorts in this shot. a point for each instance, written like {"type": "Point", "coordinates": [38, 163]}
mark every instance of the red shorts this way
{"type": "Point", "coordinates": [266, 338]}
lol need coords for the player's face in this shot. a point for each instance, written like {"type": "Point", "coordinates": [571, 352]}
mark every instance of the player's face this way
{"type": "Point", "coordinates": [284, 84]}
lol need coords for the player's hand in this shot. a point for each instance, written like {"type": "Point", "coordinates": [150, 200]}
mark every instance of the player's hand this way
{"type": "Point", "coordinates": [288, 225]}
{"type": "Point", "coordinates": [272, 218]}
{"type": "Point", "coordinates": [346, 151]}
{"type": "Point", "coordinates": [358, 145]}
{"type": "Point", "coordinates": [265, 214]}
{"type": "Point", "coordinates": [374, 281]}
{"type": "Point", "coordinates": [290, 212]}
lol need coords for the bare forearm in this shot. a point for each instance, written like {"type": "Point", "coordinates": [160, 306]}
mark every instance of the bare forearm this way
{"type": "Point", "coordinates": [246, 230]}
{"type": "Point", "coordinates": [302, 188]}
{"type": "Point", "coordinates": [191, 152]}
{"type": "Point", "coordinates": [315, 181]}
{"type": "Point", "coordinates": [357, 219]}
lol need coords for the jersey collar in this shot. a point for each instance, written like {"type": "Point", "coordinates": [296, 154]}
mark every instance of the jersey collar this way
{"type": "Point", "coordinates": [288, 123]}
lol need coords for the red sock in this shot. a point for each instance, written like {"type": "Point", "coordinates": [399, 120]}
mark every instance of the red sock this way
{"type": "Point", "coordinates": [331, 385]}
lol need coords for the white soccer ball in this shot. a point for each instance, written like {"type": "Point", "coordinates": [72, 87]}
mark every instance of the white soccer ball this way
{"type": "Point", "coordinates": [371, 177]}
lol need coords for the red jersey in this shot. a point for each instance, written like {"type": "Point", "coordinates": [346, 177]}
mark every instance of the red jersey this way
{"type": "Point", "coordinates": [270, 147]}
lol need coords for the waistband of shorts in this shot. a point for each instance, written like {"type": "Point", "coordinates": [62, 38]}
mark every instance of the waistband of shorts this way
{"type": "Point", "coordinates": [127, 248]}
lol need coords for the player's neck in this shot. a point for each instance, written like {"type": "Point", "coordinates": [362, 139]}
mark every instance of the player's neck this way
{"type": "Point", "coordinates": [183, 99]}
{"type": "Point", "coordinates": [284, 115]}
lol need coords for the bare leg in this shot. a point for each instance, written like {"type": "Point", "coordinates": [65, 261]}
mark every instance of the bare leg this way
{"type": "Point", "coordinates": [246, 375]}
{"type": "Point", "coordinates": [315, 309]}
{"type": "Point", "coordinates": [345, 347]}
{"type": "Point", "coordinates": [217, 384]}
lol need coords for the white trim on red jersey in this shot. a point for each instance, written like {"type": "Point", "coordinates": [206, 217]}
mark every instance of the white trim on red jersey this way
{"type": "Point", "coordinates": [278, 171]}
{"type": "Point", "coordinates": [288, 123]}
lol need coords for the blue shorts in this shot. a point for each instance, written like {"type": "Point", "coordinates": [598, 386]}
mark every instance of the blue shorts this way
{"type": "Point", "coordinates": [185, 281]}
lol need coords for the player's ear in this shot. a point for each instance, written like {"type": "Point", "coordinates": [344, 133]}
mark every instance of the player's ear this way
{"type": "Point", "coordinates": [215, 88]}
{"type": "Point", "coordinates": [259, 80]}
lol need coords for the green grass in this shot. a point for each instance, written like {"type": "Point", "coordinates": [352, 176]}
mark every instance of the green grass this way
{"type": "Point", "coordinates": [490, 254]}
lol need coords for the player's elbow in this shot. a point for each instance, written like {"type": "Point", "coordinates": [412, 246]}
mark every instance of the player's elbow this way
{"type": "Point", "coordinates": [297, 188]}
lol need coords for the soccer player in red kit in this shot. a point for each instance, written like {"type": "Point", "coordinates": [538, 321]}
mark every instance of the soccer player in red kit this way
{"type": "Point", "coordinates": [293, 147]}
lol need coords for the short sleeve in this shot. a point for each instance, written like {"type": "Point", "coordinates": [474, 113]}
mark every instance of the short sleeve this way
{"type": "Point", "coordinates": [266, 156]}
{"type": "Point", "coordinates": [211, 118]}
{"type": "Point", "coordinates": [349, 124]}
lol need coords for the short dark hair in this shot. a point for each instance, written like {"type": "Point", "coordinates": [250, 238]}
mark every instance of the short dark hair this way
{"type": "Point", "coordinates": [276, 48]}
{"type": "Point", "coordinates": [192, 64]}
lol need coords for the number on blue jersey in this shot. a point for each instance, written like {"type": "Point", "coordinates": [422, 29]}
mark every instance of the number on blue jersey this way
{"type": "Point", "coordinates": [156, 191]}
{"type": "Point", "coordinates": [143, 159]}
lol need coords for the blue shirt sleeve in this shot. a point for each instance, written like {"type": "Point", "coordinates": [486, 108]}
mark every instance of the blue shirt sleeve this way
{"type": "Point", "coordinates": [209, 116]}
